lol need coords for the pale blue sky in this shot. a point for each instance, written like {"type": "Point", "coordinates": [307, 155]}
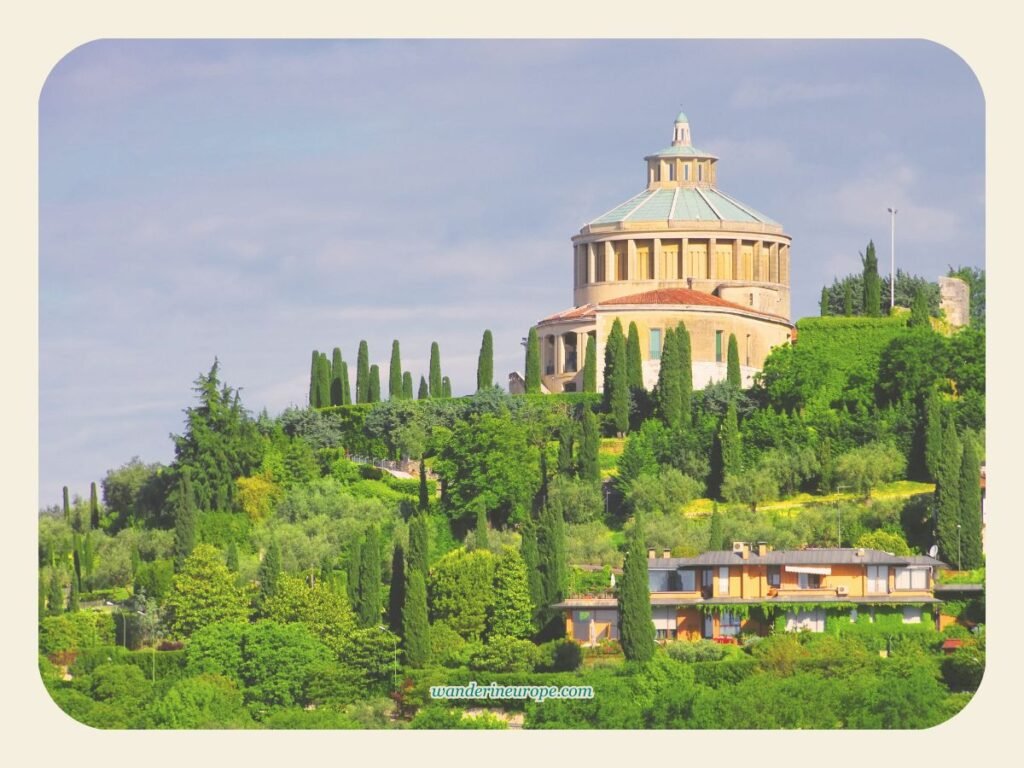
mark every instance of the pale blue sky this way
{"type": "Point", "coordinates": [256, 200]}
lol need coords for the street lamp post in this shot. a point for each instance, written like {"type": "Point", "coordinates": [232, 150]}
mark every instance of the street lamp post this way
{"type": "Point", "coordinates": [892, 253]}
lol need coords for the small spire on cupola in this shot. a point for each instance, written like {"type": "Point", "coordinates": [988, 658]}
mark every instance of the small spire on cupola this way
{"type": "Point", "coordinates": [681, 132]}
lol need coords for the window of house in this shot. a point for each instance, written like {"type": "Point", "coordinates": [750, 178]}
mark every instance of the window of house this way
{"type": "Point", "coordinates": [686, 172]}
{"type": "Point", "coordinates": [723, 580]}
{"type": "Point", "coordinates": [570, 386]}
{"type": "Point", "coordinates": [911, 578]}
{"type": "Point", "coordinates": [729, 624]}
{"type": "Point", "coordinates": [700, 172]}
{"type": "Point", "coordinates": [687, 580]}
{"type": "Point", "coordinates": [671, 171]}
{"type": "Point", "coordinates": [718, 346]}
{"type": "Point", "coordinates": [748, 348]}
{"type": "Point", "coordinates": [807, 621]}
{"type": "Point", "coordinates": [664, 618]}
{"type": "Point", "coordinates": [809, 580]}
{"type": "Point", "coordinates": [655, 353]}
{"type": "Point", "coordinates": [622, 264]}
{"type": "Point", "coordinates": [911, 614]}
{"type": "Point", "coordinates": [599, 264]}
{"type": "Point", "coordinates": [657, 172]}
{"type": "Point", "coordinates": [878, 579]}
{"type": "Point", "coordinates": [707, 579]}
{"type": "Point", "coordinates": [774, 576]}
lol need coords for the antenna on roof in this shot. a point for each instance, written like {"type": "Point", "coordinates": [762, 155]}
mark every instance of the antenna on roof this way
{"type": "Point", "coordinates": [933, 550]}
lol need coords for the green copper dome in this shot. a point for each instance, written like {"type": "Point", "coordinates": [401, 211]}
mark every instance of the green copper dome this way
{"type": "Point", "coordinates": [681, 118]}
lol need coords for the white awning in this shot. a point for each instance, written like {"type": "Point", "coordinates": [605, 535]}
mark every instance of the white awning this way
{"type": "Point", "coordinates": [808, 569]}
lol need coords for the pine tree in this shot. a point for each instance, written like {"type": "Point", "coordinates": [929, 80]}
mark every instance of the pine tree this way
{"type": "Point", "coordinates": [482, 540]}
{"type": "Point", "coordinates": [424, 493]}
{"type": "Point", "coordinates": [511, 613]}
{"type": "Point", "coordinates": [415, 626]}
{"type": "Point", "coordinates": [919, 315]}
{"type": "Point", "coordinates": [634, 361]}
{"type": "Point", "coordinates": [532, 363]}
{"type": "Point", "coordinates": [590, 365]}
{"type": "Point", "coordinates": [685, 364]}
{"type": "Point", "coordinates": [485, 363]}
{"type": "Point", "coordinates": [323, 381]}
{"type": "Point", "coordinates": [947, 496]}
{"type": "Point", "coordinates": [616, 379]}
{"type": "Point", "coordinates": [407, 386]}
{"type": "Point", "coordinates": [435, 371]}
{"type": "Point", "coordinates": [232, 557]}
{"type": "Point", "coordinates": [823, 302]}
{"type": "Point", "coordinates": [424, 392]}
{"type": "Point", "coordinates": [185, 519]}
{"type": "Point", "coordinates": [396, 595]}
{"type": "Point", "coordinates": [363, 373]}
{"type": "Point", "coordinates": [373, 389]}
{"type": "Point", "coordinates": [395, 373]}
{"type": "Point", "coordinates": [369, 580]}
{"type": "Point", "coordinates": [670, 383]}
{"type": "Point", "coordinates": [566, 437]}
{"type": "Point", "coordinates": [531, 559]}
{"type": "Point", "coordinates": [55, 595]}
{"type": "Point", "coordinates": [446, 387]}
{"type": "Point", "coordinates": [872, 283]}
{"type": "Point", "coordinates": [933, 413]}
{"type": "Point", "coordinates": [636, 626]}
{"type": "Point", "coordinates": [337, 388]}
{"type": "Point", "coordinates": [733, 375]}
{"type": "Point", "coordinates": [848, 299]}
{"type": "Point", "coordinates": [590, 445]}
{"type": "Point", "coordinates": [970, 505]}
{"type": "Point", "coordinates": [715, 534]}
{"type": "Point", "coordinates": [314, 371]}
{"type": "Point", "coordinates": [269, 572]}
{"type": "Point", "coordinates": [346, 389]}
{"type": "Point", "coordinates": [552, 555]}
{"type": "Point", "coordinates": [94, 508]}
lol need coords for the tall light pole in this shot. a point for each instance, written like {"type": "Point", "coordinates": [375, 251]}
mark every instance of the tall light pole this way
{"type": "Point", "coordinates": [892, 253]}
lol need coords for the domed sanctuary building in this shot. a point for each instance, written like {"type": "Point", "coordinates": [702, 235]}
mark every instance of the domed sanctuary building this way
{"type": "Point", "coordinates": [682, 250]}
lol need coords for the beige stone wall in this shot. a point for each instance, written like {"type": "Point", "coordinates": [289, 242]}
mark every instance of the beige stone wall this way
{"type": "Point", "coordinates": [955, 300]}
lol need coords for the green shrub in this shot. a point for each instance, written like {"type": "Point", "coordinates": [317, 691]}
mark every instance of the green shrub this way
{"type": "Point", "coordinates": [730, 671]}
{"type": "Point", "coordinates": [221, 528]}
{"type": "Point", "coordinates": [560, 656]}
{"type": "Point", "coordinates": [701, 650]}
{"type": "Point", "coordinates": [505, 654]}
{"type": "Point", "coordinates": [963, 669]}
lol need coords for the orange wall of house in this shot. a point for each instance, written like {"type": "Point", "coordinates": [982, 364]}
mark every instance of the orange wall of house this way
{"type": "Point", "coordinates": [688, 624]}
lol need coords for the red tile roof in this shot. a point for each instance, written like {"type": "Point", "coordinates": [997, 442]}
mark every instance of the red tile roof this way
{"type": "Point", "coordinates": [683, 296]}
{"type": "Point", "coordinates": [586, 310]}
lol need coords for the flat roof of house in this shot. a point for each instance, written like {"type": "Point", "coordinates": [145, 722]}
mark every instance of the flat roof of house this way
{"type": "Point", "coordinates": [823, 556]}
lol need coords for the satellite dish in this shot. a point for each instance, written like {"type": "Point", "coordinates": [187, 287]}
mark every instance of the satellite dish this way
{"type": "Point", "coordinates": [933, 550]}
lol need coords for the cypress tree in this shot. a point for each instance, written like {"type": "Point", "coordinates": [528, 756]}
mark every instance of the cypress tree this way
{"type": "Point", "coordinates": [407, 386]}
{"type": "Point", "coordinates": [685, 365]}
{"type": "Point", "coordinates": [732, 370]}
{"type": "Point", "coordinates": [323, 381]}
{"type": "Point", "coordinates": [670, 383]}
{"type": "Point", "coordinates": [363, 373]}
{"type": "Point", "coordinates": [636, 626]}
{"type": "Point", "coordinates": [419, 544]}
{"type": "Point", "coordinates": [634, 361]}
{"type": "Point", "coordinates": [88, 561]}
{"type": "Point", "coordinates": [42, 596]}
{"type": "Point", "coordinates": [848, 299]}
{"type": "Point", "coordinates": [970, 505]}
{"type": "Point", "coordinates": [314, 370]}
{"type": "Point", "coordinates": [424, 493]}
{"type": "Point", "coordinates": [269, 572]}
{"type": "Point", "coordinates": [396, 595]}
{"type": "Point", "coordinates": [373, 389]}
{"type": "Point", "coordinates": [415, 626]}
{"type": "Point", "coordinates": [55, 595]}
{"type": "Point", "coordinates": [76, 562]}
{"type": "Point", "coordinates": [435, 371]}
{"type": "Point", "coordinates": [424, 392]}
{"type": "Point", "coordinates": [947, 496]}
{"type": "Point", "coordinates": [532, 363]}
{"type": "Point", "coordinates": [481, 537]}
{"type": "Point", "coordinates": [446, 387]}
{"type": "Point", "coordinates": [590, 444]}
{"type": "Point", "coordinates": [337, 388]}
{"type": "Point", "coordinates": [94, 508]}
{"type": "Point", "coordinates": [369, 580]}
{"type": "Point", "coordinates": [511, 613]}
{"type": "Point", "coordinates": [919, 315]}
{"type": "Point", "coordinates": [933, 412]}
{"type": "Point", "coordinates": [184, 519]}
{"type": "Point", "coordinates": [531, 558]}
{"type": "Point", "coordinates": [551, 551]}
{"type": "Point", "coordinates": [485, 363]}
{"type": "Point", "coordinates": [232, 557]}
{"type": "Point", "coordinates": [566, 436]}
{"type": "Point", "coordinates": [346, 389]}
{"type": "Point", "coordinates": [872, 283]}
{"type": "Point", "coordinates": [67, 507]}
{"type": "Point", "coordinates": [726, 451]}
{"type": "Point", "coordinates": [73, 596]}
{"type": "Point", "coordinates": [590, 365]}
{"type": "Point", "coordinates": [823, 302]}
{"type": "Point", "coordinates": [355, 551]}
{"type": "Point", "coordinates": [395, 373]}
{"type": "Point", "coordinates": [616, 379]}
{"type": "Point", "coordinates": [715, 534]}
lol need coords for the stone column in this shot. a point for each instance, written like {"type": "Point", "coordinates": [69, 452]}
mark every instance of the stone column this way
{"type": "Point", "coordinates": [609, 262]}
{"type": "Point", "coordinates": [559, 354]}
{"type": "Point", "coordinates": [757, 260]}
{"type": "Point", "coordinates": [659, 269]}
{"type": "Point", "coordinates": [591, 270]}
{"type": "Point", "coordinates": [632, 273]}
{"type": "Point", "coordinates": [737, 259]}
{"type": "Point", "coordinates": [684, 244]}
